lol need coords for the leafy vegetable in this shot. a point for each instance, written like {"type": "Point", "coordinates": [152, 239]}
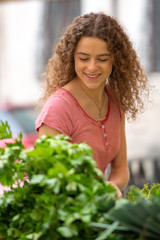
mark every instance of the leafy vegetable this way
{"type": "Point", "coordinates": [62, 197]}
{"type": "Point", "coordinates": [140, 212]}
{"type": "Point", "coordinates": [148, 191]}
{"type": "Point", "coordinates": [65, 196]}
{"type": "Point", "coordinates": [10, 170]}
{"type": "Point", "coordinates": [5, 131]}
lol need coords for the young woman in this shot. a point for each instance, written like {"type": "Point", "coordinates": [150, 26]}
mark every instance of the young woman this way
{"type": "Point", "coordinates": [93, 81]}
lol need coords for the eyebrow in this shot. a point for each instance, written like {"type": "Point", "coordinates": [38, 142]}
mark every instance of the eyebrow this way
{"type": "Point", "coordinates": [100, 55]}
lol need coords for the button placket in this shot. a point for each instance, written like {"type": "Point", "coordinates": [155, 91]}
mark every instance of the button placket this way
{"type": "Point", "coordinates": [104, 136]}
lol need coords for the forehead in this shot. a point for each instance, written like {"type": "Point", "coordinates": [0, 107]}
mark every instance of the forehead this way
{"type": "Point", "coordinates": [92, 45]}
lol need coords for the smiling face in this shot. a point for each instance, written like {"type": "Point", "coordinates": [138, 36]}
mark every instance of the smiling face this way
{"type": "Point", "coordinates": [93, 62]}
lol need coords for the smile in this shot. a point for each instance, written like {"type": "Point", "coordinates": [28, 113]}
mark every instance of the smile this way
{"type": "Point", "coordinates": [92, 75]}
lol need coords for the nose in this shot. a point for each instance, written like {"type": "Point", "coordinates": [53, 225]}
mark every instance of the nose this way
{"type": "Point", "coordinates": [92, 66]}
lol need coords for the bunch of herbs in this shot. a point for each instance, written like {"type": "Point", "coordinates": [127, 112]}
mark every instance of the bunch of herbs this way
{"type": "Point", "coordinates": [61, 195]}
{"type": "Point", "coordinates": [66, 197]}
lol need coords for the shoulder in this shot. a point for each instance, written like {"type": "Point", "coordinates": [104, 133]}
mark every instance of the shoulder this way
{"type": "Point", "coordinates": [57, 113]}
{"type": "Point", "coordinates": [58, 105]}
{"type": "Point", "coordinates": [61, 99]}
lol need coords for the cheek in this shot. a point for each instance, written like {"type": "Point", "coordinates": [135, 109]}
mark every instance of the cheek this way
{"type": "Point", "coordinates": [109, 68]}
{"type": "Point", "coordinates": [78, 67]}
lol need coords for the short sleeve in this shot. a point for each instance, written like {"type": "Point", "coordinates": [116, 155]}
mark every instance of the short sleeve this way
{"type": "Point", "coordinates": [56, 113]}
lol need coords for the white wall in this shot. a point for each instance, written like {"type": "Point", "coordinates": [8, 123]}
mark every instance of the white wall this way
{"type": "Point", "coordinates": [133, 16]}
{"type": "Point", "coordinates": [20, 26]}
{"type": "Point", "coordinates": [88, 6]}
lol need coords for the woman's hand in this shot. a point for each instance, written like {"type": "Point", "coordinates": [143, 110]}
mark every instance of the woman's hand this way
{"type": "Point", "coordinates": [119, 193]}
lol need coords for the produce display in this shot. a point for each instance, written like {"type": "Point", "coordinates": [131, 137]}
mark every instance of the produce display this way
{"type": "Point", "coordinates": [56, 192]}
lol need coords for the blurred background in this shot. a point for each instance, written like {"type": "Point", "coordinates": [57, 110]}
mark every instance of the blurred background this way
{"type": "Point", "coordinates": [29, 32]}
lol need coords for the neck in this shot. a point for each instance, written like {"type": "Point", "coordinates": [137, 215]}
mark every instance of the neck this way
{"type": "Point", "coordinates": [96, 94]}
{"type": "Point", "coordinates": [100, 104]}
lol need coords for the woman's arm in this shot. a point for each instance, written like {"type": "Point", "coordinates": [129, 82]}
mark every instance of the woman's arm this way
{"type": "Point", "coordinates": [119, 172]}
{"type": "Point", "coordinates": [44, 130]}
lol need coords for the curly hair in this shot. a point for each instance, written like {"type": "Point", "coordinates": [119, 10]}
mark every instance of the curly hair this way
{"type": "Point", "coordinates": [128, 80]}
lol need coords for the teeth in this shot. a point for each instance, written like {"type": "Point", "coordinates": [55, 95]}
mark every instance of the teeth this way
{"type": "Point", "coordinates": [92, 76]}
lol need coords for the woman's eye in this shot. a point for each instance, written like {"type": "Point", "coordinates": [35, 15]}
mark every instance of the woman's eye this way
{"type": "Point", "coordinates": [83, 59]}
{"type": "Point", "coordinates": [103, 60]}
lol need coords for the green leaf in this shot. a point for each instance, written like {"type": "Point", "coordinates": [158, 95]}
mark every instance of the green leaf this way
{"type": "Point", "coordinates": [37, 179]}
{"type": "Point", "coordinates": [5, 131]}
{"type": "Point", "coordinates": [68, 232]}
{"type": "Point", "coordinates": [108, 231]}
{"type": "Point", "coordinates": [34, 236]}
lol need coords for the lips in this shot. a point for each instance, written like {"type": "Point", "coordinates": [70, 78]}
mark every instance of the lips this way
{"type": "Point", "coordinates": [92, 75]}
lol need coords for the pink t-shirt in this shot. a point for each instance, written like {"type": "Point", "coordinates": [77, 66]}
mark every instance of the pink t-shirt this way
{"type": "Point", "coordinates": [62, 112]}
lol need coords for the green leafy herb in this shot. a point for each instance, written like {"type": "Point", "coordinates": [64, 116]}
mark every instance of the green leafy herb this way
{"type": "Point", "coordinates": [5, 131]}
{"type": "Point", "coordinates": [140, 212]}
{"type": "Point", "coordinates": [62, 197]}
{"type": "Point", "coordinates": [66, 197]}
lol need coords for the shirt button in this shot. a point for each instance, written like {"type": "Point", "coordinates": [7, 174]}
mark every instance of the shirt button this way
{"type": "Point", "coordinates": [102, 126]}
{"type": "Point", "coordinates": [105, 135]}
{"type": "Point", "coordinates": [106, 143]}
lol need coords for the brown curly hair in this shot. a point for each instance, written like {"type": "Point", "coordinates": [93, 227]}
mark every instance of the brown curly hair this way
{"type": "Point", "coordinates": [127, 80]}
